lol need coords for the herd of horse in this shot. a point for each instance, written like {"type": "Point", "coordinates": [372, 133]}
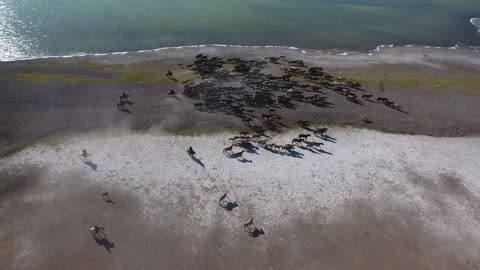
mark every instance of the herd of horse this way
{"type": "Point", "coordinates": [244, 138]}
{"type": "Point", "coordinates": [256, 91]}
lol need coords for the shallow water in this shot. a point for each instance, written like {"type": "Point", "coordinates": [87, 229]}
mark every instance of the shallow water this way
{"type": "Point", "coordinates": [32, 28]}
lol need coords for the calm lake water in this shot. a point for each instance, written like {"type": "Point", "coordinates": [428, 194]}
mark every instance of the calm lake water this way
{"type": "Point", "coordinates": [31, 28]}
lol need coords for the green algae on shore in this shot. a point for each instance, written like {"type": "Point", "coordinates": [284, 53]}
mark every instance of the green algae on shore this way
{"type": "Point", "coordinates": [147, 73]}
{"type": "Point", "coordinates": [383, 77]}
{"type": "Point", "coordinates": [380, 77]}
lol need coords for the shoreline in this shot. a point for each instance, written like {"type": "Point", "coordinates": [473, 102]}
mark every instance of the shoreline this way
{"type": "Point", "coordinates": [331, 51]}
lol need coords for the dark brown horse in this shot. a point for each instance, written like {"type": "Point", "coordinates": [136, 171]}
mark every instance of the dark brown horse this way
{"type": "Point", "coordinates": [297, 141]}
{"type": "Point", "coordinates": [228, 150]}
{"type": "Point", "coordinates": [304, 136]}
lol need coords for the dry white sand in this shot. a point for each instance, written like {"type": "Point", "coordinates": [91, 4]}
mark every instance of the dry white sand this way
{"type": "Point", "coordinates": [392, 171]}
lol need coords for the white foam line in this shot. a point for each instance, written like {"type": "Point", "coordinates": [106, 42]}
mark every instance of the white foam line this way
{"type": "Point", "coordinates": [370, 52]}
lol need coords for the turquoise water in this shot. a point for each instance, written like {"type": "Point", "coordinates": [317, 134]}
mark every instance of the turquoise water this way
{"type": "Point", "coordinates": [59, 27]}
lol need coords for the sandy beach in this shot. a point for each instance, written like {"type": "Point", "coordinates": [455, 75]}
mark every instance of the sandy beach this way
{"type": "Point", "coordinates": [368, 200]}
{"type": "Point", "coordinates": [399, 191]}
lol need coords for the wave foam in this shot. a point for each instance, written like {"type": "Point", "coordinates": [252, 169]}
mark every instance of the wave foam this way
{"type": "Point", "coordinates": [23, 57]}
{"type": "Point", "coordinates": [476, 22]}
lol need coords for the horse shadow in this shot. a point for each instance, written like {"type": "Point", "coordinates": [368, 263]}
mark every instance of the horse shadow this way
{"type": "Point", "coordinates": [324, 152]}
{"type": "Point", "coordinates": [244, 160]}
{"type": "Point", "coordinates": [230, 206]}
{"type": "Point", "coordinates": [249, 148]}
{"type": "Point", "coordinates": [356, 101]}
{"type": "Point", "coordinates": [327, 138]}
{"type": "Point", "coordinates": [367, 121]}
{"type": "Point", "coordinates": [256, 232]}
{"type": "Point", "coordinates": [108, 199]}
{"type": "Point", "coordinates": [125, 110]}
{"type": "Point", "coordinates": [198, 161]}
{"type": "Point", "coordinates": [294, 154]}
{"type": "Point", "coordinates": [90, 164]}
{"type": "Point", "coordinates": [103, 241]}
{"type": "Point", "coordinates": [402, 111]}
{"type": "Point", "coordinates": [309, 149]}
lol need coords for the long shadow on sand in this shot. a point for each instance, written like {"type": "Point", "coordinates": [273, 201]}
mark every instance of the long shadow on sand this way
{"type": "Point", "coordinates": [292, 153]}
{"type": "Point", "coordinates": [103, 241]}
{"type": "Point", "coordinates": [327, 138]}
{"type": "Point", "coordinates": [90, 164]}
{"type": "Point", "coordinates": [198, 161]}
{"type": "Point", "coordinates": [244, 160]}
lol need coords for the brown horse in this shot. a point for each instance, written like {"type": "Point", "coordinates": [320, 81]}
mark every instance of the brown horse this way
{"type": "Point", "coordinates": [222, 199]}
{"type": "Point", "coordinates": [297, 141]}
{"type": "Point", "coordinates": [288, 147]}
{"type": "Point", "coordinates": [304, 136]}
{"type": "Point", "coordinates": [191, 152]}
{"type": "Point", "coordinates": [249, 224]}
{"type": "Point", "coordinates": [237, 155]}
{"type": "Point", "coordinates": [228, 149]}
{"type": "Point", "coordinates": [320, 131]}
{"type": "Point", "coordinates": [234, 138]}
{"type": "Point", "coordinates": [314, 144]}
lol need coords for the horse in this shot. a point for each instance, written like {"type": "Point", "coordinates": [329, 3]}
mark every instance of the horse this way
{"type": "Point", "coordinates": [244, 134]}
{"type": "Point", "coordinates": [121, 107]}
{"type": "Point", "coordinates": [320, 131]}
{"type": "Point", "coordinates": [262, 142]}
{"type": "Point", "coordinates": [106, 197]}
{"type": "Point", "coordinates": [382, 100]}
{"type": "Point", "coordinates": [191, 152]}
{"type": "Point", "coordinates": [171, 92]}
{"type": "Point", "coordinates": [297, 141]}
{"type": "Point", "coordinates": [123, 102]}
{"type": "Point", "coordinates": [351, 96]}
{"type": "Point", "coordinates": [303, 136]}
{"type": "Point", "coordinates": [397, 106]}
{"type": "Point", "coordinates": [248, 224]}
{"type": "Point", "coordinates": [198, 105]}
{"type": "Point", "coordinates": [169, 73]}
{"type": "Point", "coordinates": [256, 136]}
{"type": "Point", "coordinates": [96, 229]}
{"type": "Point", "coordinates": [314, 144]}
{"type": "Point", "coordinates": [224, 196]}
{"type": "Point", "coordinates": [84, 154]}
{"type": "Point", "coordinates": [237, 155]}
{"type": "Point", "coordinates": [389, 104]}
{"type": "Point", "coordinates": [288, 147]}
{"type": "Point", "coordinates": [234, 138]}
{"type": "Point", "coordinates": [303, 123]}
{"type": "Point", "coordinates": [228, 149]}
{"type": "Point", "coordinates": [267, 117]}
{"type": "Point", "coordinates": [271, 146]}
{"type": "Point", "coordinates": [124, 96]}
{"type": "Point", "coordinates": [367, 96]}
